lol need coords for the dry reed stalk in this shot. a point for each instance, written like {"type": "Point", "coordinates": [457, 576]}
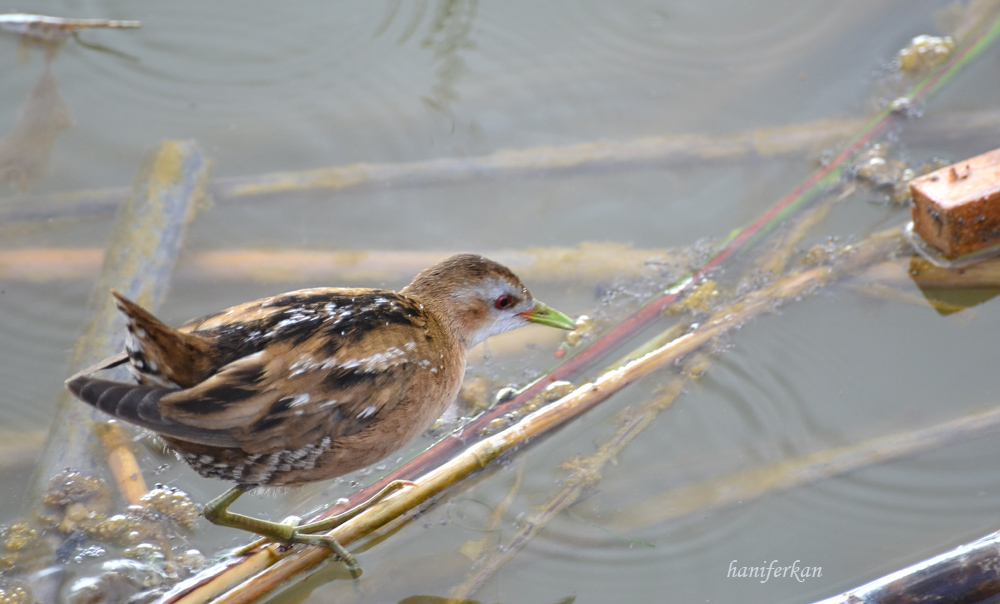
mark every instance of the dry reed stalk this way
{"type": "Point", "coordinates": [642, 152]}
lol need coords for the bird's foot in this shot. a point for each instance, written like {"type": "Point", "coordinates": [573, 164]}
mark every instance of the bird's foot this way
{"type": "Point", "coordinates": [332, 544]}
{"type": "Point", "coordinates": [291, 531]}
{"type": "Point", "coordinates": [327, 524]}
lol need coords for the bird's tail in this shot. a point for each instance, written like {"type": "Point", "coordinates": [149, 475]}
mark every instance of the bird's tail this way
{"type": "Point", "coordinates": [140, 405]}
{"type": "Point", "coordinates": [128, 402]}
{"type": "Point", "coordinates": [160, 354]}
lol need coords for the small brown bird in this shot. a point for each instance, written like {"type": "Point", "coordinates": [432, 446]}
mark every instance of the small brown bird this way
{"type": "Point", "coordinates": [311, 384]}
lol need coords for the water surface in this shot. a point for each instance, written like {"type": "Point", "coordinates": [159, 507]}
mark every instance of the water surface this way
{"type": "Point", "coordinates": [265, 88]}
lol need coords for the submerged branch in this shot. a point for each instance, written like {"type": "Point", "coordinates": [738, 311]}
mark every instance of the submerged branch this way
{"type": "Point", "coordinates": [141, 254]}
{"type": "Point", "coordinates": [663, 151]}
{"type": "Point", "coordinates": [121, 461]}
{"type": "Point", "coordinates": [888, 294]}
{"type": "Point", "coordinates": [140, 258]}
{"type": "Point", "coordinates": [587, 263]}
{"type": "Point", "coordinates": [737, 488]}
{"type": "Point", "coordinates": [906, 271]}
{"type": "Point", "coordinates": [741, 487]}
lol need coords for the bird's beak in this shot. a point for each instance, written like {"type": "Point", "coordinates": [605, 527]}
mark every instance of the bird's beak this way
{"type": "Point", "coordinates": [543, 315]}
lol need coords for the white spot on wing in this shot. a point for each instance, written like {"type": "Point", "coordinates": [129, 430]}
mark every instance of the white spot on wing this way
{"type": "Point", "coordinates": [299, 400]}
{"type": "Point", "coordinates": [378, 361]}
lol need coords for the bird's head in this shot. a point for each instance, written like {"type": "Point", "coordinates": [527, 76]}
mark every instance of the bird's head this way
{"type": "Point", "coordinates": [477, 298]}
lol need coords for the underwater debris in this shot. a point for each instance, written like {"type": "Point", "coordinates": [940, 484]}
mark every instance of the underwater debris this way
{"type": "Point", "coordinates": [925, 53]}
{"type": "Point", "coordinates": [584, 327]}
{"type": "Point", "coordinates": [874, 167]}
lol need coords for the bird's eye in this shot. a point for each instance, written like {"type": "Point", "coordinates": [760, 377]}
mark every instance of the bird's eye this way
{"type": "Point", "coordinates": [504, 301]}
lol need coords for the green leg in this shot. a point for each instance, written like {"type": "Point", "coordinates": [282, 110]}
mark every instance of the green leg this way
{"type": "Point", "coordinates": [217, 512]}
{"type": "Point", "coordinates": [334, 521]}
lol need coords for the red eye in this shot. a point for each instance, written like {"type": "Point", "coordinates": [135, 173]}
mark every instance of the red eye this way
{"type": "Point", "coordinates": [504, 301]}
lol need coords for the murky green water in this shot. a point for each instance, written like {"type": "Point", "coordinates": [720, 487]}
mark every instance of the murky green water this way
{"type": "Point", "coordinates": [264, 87]}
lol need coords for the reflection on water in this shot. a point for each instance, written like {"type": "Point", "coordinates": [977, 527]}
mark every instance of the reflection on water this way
{"type": "Point", "coordinates": [25, 151]}
{"type": "Point", "coordinates": [448, 37]}
{"type": "Point", "coordinates": [296, 87]}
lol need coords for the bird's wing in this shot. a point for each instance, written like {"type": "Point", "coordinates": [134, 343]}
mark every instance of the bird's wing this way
{"type": "Point", "coordinates": [336, 381]}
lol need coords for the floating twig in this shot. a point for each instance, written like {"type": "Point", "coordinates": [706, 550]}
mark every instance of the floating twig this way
{"type": "Point", "coordinates": [51, 32]}
{"type": "Point", "coordinates": [54, 29]}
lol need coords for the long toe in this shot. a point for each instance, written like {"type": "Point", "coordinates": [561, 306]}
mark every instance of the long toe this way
{"type": "Point", "coordinates": [329, 542]}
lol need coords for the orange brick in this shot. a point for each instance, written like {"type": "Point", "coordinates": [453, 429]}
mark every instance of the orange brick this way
{"type": "Point", "coordinates": [957, 209]}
